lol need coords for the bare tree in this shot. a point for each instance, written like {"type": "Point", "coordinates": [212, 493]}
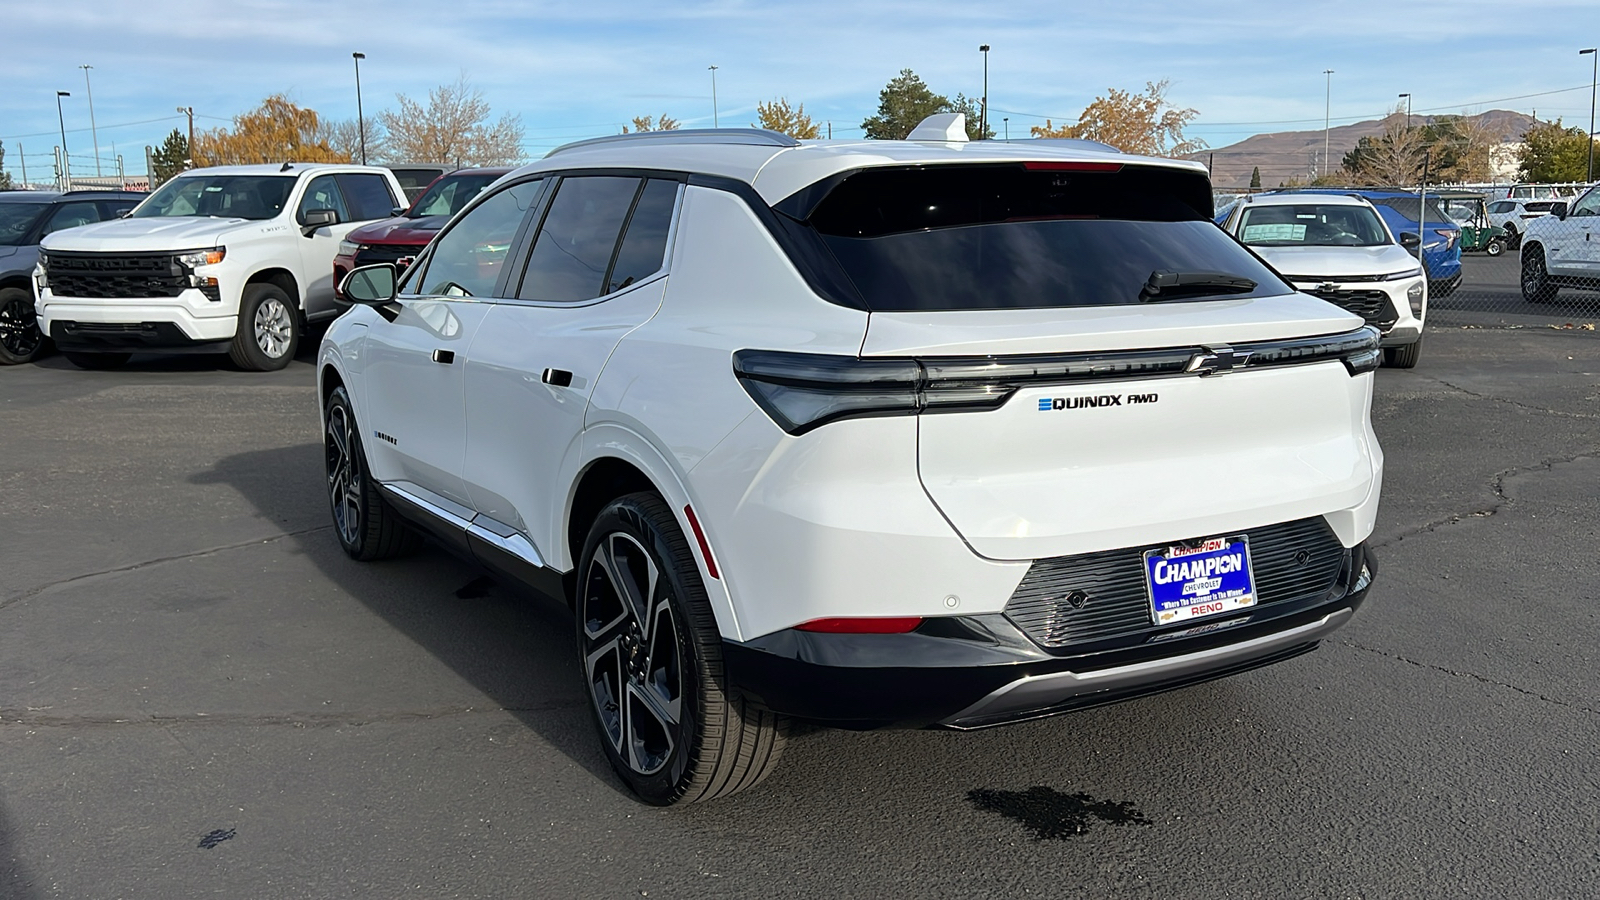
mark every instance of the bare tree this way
{"type": "Point", "coordinates": [344, 136]}
{"type": "Point", "coordinates": [453, 128]}
{"type": "Point", "coordinates": [1393, 157]}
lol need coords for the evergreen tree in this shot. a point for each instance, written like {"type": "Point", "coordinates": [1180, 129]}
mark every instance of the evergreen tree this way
{"type": "Point", "coordinates": [1255, 178]}
{"type": "Point", "coordinates": [169, 159]}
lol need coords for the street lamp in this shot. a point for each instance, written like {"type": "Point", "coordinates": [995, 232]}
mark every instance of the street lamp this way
{"type": "Point", "coordinates": [1407, 98]}
{"type": "Point", "coordinates": [1593, 72]}
{"type": "Point", "coordinates": [361, 122]}
{"type": "Point", "coordinates": [92, 132]}
{"type": "Point", "coordinates": [1327, 107]}
{"type": "Point", "coordinates": [983, 108]}
{"type": "Point", "coordinates": [1007, 121]}
{"type": "Point", "coordinates": [714, 122]}
{"type": "Point", "coordinates": [66, 167]}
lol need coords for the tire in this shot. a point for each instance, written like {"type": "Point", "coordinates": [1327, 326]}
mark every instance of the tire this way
{"type": "Point", "coordinates": [97, 360]}
{"type": "Point", "coordinates": [269, 329]}
{"type": "Point", "coordinates": [1404, 356]}
{"type": "Point", "coordinates": [1536, 286]}
{"type": "Point", "coordinates": [1496, 246]}
{"type": "Point", "coordinates": [20, 338]}
{"type": "Point", "coordinates": [368, 528]}
{"type": "Point", "coordinates": [673, 727]}
{"type": "Point", "coordinates": [1513, 239]}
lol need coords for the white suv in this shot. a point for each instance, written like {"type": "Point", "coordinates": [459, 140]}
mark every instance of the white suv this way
{"type": "Point", "coordinates": [233, 259]}
{"type": "Point", "coordinates": [1338, 248]}
{"type": "Point", "coordinates": [864, 433]}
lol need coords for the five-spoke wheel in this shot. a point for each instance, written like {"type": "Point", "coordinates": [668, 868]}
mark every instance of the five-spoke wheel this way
{"type": "Point", "coordinates": [366, 525]}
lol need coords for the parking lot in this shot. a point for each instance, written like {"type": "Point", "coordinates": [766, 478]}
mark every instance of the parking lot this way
{"type": "Point", "coordinates": [200, 695]}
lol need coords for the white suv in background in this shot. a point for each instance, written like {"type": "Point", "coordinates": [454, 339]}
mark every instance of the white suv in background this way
{"type": "Point", "coordinates": [1338, 248]}
{"type": "Point", "coordinates": [865, 433]}
{"type": "Point", "coordinates": [232, 259]}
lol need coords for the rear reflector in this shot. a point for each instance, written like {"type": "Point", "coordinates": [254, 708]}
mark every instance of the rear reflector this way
{"type": "Point", "coordinates": [705, 546]}
{"type": "Point", "coordinates": [1063, 166]}
{"type": "Point", "coordinates": [865, 625]}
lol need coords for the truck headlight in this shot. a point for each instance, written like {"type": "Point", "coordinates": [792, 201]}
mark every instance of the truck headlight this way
{"type": "Point", "coordinates": [194, 259]}
{"type": "Point", "coordinates": [1414, 297]}
{"type": "Point", "coordinates": [349, 248]}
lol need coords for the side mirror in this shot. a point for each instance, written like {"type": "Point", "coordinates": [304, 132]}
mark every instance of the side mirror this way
{"type": "Point", "coordinates": [1410, 240]}
{"type": "Point", "coordinates": [1559, 210]}
{"type": "Point", "coordinates": [397, 211]}
{"type": "Point", "coordinates": [372, 285]}
{"type": "Point", "coordinates": [318, 218]}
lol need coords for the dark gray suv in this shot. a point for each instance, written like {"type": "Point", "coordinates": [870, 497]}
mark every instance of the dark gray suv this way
{"type": "Point", "coordinates": [25, 218]}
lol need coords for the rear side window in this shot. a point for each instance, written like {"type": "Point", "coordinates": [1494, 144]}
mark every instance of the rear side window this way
{"type": "Point", "coordinates": [367, 196]}
{"type": "Point", "coordinates": [1408, 207]}
{"type": "Point", "coordinates": [1035, 236]}
{"type": "Point", "coordinates": [644, 246]}
{"type": "Point", "coordinates": [577, 239]}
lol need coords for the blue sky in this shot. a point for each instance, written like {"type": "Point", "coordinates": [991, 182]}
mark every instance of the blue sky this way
{"type": "Point", "coordinates": [574, 70]}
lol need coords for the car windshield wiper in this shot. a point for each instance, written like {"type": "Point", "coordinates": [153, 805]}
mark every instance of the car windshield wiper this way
{"type": "Point", "coordinates": [1166, 284]}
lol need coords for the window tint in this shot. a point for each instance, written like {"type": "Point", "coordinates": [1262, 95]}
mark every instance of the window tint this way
{"type": "Point", "coordinates": [1501, 206]}
{"type": "Point", "coordinates": [578, 238]}
{"type": "Point", "coordinates": [450, 194]}
{"type": "Point", "coordinates": [467, 260]}
{"type": "Point", "coordinates": [644, 246]}
{"type": "Point", "coordinates": [1311, 225]}
{"type": "Point", "coordinates": [16, 220]}
{"type": "Point", "coordinates": [71, 215]}
{"type": "Point", "coordinates": [116, 209]}
{"type": "Point", "coordinates": [367, 196]}
{"type": "Point", "coordinates": [1408, 207]}
{"type": "Point", "coordinates": [233, 196]}
{"type": "Point", "coordinates": [1011, 237]}
{"type": "Point", "coordinates": [323, 193]}
{"type": "Point", "coordinates": [1589, 205]}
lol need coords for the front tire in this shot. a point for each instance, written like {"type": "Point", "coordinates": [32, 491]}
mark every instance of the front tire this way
{"type": "Point", "coordinates": [368, 528]}
{"type": "Point", "coordinates": [1536, 284]}
{"type": "Point", "coordinates": [1496, 246]}
{"type": "Point", "coordinates": [20, 338]}
{"type": "Point", "coordinates": [269, 329]}
{"type": "Point", "coordinates": [673, 727]}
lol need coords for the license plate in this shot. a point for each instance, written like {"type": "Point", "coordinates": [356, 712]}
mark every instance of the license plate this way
{"type": "Point", "coordinates": [1206, 578]}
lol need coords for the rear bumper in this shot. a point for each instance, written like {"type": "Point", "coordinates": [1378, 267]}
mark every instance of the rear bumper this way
{"type": "Point", "coordinates": [969, 672]}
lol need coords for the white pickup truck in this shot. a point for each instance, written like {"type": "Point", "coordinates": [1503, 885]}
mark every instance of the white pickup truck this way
{"type": "Point", "coordinates": [232, 259]}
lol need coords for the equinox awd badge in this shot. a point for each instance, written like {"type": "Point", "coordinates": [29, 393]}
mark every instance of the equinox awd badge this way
{"type": "Point", "coordinates": [1050, 403]}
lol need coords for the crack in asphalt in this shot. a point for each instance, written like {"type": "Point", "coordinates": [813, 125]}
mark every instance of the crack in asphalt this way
{"type": "Point", "coordinates": [132, 567]}
{"type": "Point", "coordinates": [37, 718]}
{"type": "Point", "coordinates": [1517, 403]}
{"type": "Point", "coordinates": [1473, 676]}
{"type": "Point", "coordinates": [1502, 500]}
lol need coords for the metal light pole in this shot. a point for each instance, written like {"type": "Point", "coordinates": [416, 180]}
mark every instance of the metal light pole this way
{"type": "Point", "coordinates": [1593, 72]}
{"type": "Point", "coordinates": [189, 111]}
{"type": "Point", "coordinates": [1007, 121]}
{"type": "Point", "coordinates": [1327, 107]}
{"type": "Point", "coordinates": [361, 122]}
{"type": "Point", "coordinates": [1407, 98]}
{"type": "Point", "coordinates": [92, 132]}
{"type": "Point", "coordinates": [66, 167]}
{"type": "Point", "coordinates": [714, 122]}
{"type": "Point", "coordinates": [983, 107]}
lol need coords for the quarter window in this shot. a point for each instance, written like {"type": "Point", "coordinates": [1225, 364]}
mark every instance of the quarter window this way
{"type": "Point", "coordinates": [467, 260]}
{"type": "Point", "coordinates": [644, 246]}
{"type": "Point", "coordinates": [323, 193]}
{"type": "Point", "coordinates": [576, 242]}
{"type": "Point", "coordinates": [367, 196]}
{"type": "Point", "coordinates": [1589, 205]}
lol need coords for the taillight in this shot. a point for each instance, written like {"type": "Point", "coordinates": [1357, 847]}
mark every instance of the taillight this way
{"type": "Point", "coordinates": [862, 625]}
{"type": "Point", "coordinates": [802, 391]}
{"type": "Point", "coordinates": [1066, 166]}
{"type": "Point", "coordinates": [1449, 237]}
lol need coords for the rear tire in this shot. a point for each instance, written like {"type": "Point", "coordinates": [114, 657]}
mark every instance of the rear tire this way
{"type": "Point", "coordinates": [97, 361]}
{"type": "Point", "coordinates": [672, 725]}
{"type": "Point", "coordinates": [269, 329]}
{"type": "Point", "coordinates": [368, 528]}
{"type": "Point", "coordinates": [1536, 285]}
{"type": "Point", "coordinates": [1496, 246]}
{"type": "Point", "coordinates": [20, 338]}
{"type": "Point", "coordinates": [1404, 356]}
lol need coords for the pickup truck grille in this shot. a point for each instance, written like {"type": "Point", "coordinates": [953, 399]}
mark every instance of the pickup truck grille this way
{"type": "Point", "coordinates": [1291, 561]}
{"type": "Point", "coordinates": [1374, 306]}
{"type": "Point", "coordinates": [119, 275]}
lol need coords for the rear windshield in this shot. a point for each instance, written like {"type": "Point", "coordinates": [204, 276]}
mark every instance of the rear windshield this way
{"type": "Point", "coordinates": [1015, 237]}
{"type": "Point", "coordinates": [1539, 206]}
{"type": "Point", "coordinates": [1311, 225]}
{"type": "Point", "coordinates": [1408, 207]}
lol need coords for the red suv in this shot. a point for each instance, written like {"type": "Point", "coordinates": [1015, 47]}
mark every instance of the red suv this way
{"type": "Point", "coordinates": [399, 239]}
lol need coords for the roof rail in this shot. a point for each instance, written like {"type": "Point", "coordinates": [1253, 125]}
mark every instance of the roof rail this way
{"type": "Point", "coordinates": [759, 137]}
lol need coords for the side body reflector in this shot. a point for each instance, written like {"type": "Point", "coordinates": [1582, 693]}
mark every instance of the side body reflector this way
{"type": "Point", "coordinates": [863, 625]}
{"type": "Point", "coordinates": [700, 537]}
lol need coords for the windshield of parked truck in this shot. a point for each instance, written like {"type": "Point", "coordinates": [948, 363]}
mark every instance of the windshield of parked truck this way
{"type": "Point", "coordinates": [1311, 225]}
{"type": "Point", "coordinates": [16, 221]}
{"type": "Point", "coordinates": [222, 196]}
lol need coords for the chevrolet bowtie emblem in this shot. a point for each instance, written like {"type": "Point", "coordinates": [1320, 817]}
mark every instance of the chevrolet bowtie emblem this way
{"type": "Point", "coordinates": [1216, 360]}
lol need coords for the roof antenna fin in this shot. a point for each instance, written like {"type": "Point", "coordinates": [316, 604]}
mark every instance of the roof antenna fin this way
{"type": "Point", "coordinates": [941, 127]}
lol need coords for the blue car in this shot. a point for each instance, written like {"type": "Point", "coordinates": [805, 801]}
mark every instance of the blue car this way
{"type": "Point", "coordinates": [1441, 239]}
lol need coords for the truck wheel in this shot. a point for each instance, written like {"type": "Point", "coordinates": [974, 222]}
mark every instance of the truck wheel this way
{"type": "Point", "coordinates": [20, 340]}
{"type": "Point", "coordinates": [1404, 356]}
{"type": "Point", "coordinates": [269, 329]}
{"type": "Point", "coordinates": [367, 526]}
{"type": "Point", "coordinates": [1536, 286]}
{"type": "Point", "coordinates": [670, 722]}
{"type": "Point", "coordinates": [97, 360]}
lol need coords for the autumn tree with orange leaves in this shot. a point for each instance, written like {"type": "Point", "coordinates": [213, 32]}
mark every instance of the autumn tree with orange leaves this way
{"type": "Point", "coordinates": [777, 115]}
{"type": "Point", "coordinates": [276, 131]}
{"type": "Point", "coordinates": [1142, 123]}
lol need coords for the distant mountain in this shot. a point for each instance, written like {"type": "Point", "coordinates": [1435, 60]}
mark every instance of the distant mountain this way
{"type": "Point", "coordinates": [1285, 154]}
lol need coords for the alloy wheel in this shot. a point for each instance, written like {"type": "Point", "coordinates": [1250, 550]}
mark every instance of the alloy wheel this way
{"type": "Point", "coordinates": [344, 475]}
{"type": "Point", "coordinates": [19, 327]}
{"type": "Point", "coordinates": [632, 653]}
{"type": "Point", "coordinates": [273, 328]}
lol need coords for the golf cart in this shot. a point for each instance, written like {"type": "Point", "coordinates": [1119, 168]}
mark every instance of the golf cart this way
{"type": "Point", "coordinates": [1468, 210]}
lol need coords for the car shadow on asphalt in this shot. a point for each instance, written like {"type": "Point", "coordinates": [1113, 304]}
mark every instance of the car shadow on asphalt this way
{"type": "Point", "coordinates": [510, 643]}
{"type": "Point", "coordinates": [15, 883]}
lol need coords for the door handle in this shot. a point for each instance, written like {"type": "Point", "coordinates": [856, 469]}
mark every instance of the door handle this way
{"type": "Point", "coordinates": [557, 377]}
{"type": "Point", "coordinates": [444, 356]}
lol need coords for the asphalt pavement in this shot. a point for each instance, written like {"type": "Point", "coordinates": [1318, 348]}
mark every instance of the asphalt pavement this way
{"type": "Point", "coordinates": [200, 695]}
